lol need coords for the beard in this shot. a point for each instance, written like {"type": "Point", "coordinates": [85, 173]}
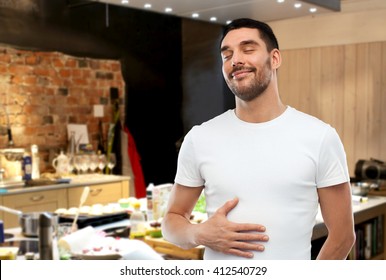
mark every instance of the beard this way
{"type": "Point", "coordinates": [256, 87]}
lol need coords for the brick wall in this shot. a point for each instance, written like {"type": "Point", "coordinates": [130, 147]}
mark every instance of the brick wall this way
{"type": "Point", "coordinates": [44, 91]}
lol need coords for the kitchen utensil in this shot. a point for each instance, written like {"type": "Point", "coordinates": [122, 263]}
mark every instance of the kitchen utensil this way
{"type": "Point", "coordinates": [45, 236]}
{"type": "Point", "coordinates": [61, 164]}
{"type": "Point", "coordinates": [83, 198]}
{"type": "Point", "coordinates": [29, 222]}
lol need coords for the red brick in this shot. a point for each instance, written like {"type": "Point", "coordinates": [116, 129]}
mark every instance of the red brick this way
{"type": "Point", "coordinates": [70, 62]}
{"type": "Point", "coordinates": [65, 73]}
{"type": "Point", "coordinates": [58, 62]}
{"type": "Point", "coordinates": [30, 80]}
{"type": "Point", "coordinates": [76, 73]}
{"type": "Point", "coordinates": [44, 71]}
{"type": "Point", "coordinates": [20, 69]}
{"type": "Point", "coordinates": [6, 58]}
{"type": "Point", "coordinates": [32, 60]}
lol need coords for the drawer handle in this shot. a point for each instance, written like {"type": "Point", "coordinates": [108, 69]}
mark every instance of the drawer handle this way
{"type": "Point", "coordinates": [37, 198]}
{"type": "Point", "coordinates": [95, 192]}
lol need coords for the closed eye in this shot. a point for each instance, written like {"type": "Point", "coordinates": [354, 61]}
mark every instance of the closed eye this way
{"type": "Point", "coordinates": [226, 55]}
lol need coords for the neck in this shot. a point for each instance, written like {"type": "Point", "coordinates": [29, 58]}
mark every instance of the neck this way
{"type": "Point", "coordinates": [266, 107]}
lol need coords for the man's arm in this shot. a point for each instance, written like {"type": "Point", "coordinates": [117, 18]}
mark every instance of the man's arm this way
{"type": "Point", "coordinates": [336, 207]}
{"type": "Point", "coordinates": [216, 233]}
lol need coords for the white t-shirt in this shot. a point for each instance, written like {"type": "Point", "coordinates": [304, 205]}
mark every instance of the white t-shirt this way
{"type": "Point", "coordinates": [274, 168]}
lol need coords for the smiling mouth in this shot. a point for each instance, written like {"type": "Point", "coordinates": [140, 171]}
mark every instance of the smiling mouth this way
{"type": "Point", "coordinates": [240, 73]}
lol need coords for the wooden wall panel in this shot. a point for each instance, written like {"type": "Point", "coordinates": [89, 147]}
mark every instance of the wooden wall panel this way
{"type": "Point", "coordinates": [344, 86]}
{"type": "Point", "coordinates": [383, 103]}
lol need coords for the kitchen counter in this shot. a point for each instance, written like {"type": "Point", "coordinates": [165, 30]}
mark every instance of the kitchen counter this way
{"type": "Point", "coordinates": [374, 207]}
{"type": "Point", "coordinates": [104, 189]}
{"type": "Point", "coordinates": [75, 181]}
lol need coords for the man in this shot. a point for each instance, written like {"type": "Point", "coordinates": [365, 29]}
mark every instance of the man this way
{"type": "Point", "coordinates": [264, 166]}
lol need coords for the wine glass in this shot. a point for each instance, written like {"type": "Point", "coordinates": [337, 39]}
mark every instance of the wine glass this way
{"type": "Point", "coordinates": [93, 162]}
{"type": "Point", "coordinates": [78, 163]}
{"type": "Point", "coordinates": [71, 164]}
{"type": "Point", "coordinates": [85, 163]}
{"type": "Point", "coordinates": [101, 162]}
{"type": "Point", "coordinates": [111, 161]}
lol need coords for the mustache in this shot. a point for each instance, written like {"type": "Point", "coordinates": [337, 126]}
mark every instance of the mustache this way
{"type": "Point", "coordinates": [242, 68]}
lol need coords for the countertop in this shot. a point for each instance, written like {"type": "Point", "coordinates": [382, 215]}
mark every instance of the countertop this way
{"type": "Point", "coordinates": [374, 206]}
{"type": "Point", "coordinates": [76, 181]}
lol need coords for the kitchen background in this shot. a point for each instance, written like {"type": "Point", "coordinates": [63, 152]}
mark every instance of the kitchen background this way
{"type": "Point", "coordinates": [58, 60]}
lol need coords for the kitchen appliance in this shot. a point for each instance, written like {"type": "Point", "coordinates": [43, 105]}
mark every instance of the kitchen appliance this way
{"type": "Point", "coordinates": [45, 236]}
{"type": "Point", "coordinates": [94, 221]}
{"type": "Point", "coordinates": [372, 169]}
{"type": "Point", "coordinates": [11, 167]}
{"type": "Point", "coordinates": [29, 222]}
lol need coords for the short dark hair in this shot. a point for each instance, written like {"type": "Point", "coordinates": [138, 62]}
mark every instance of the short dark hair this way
{"type": "Point", "coordinates": [266, 33]}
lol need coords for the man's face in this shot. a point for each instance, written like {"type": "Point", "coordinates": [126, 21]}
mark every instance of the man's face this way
{"type": "Point", "coordinates": [246, 63]}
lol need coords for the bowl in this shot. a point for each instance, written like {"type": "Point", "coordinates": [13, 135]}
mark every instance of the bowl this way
{"type": "Point", "coordinates": [362, 188]}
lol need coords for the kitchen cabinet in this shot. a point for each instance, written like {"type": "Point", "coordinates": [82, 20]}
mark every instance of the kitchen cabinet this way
{"type": "Point", "coordinates": [102, 193]}
{"type": "Point", "coordinates": [33, 202]}
{"type": "Point", "coordinates": [103, 189]}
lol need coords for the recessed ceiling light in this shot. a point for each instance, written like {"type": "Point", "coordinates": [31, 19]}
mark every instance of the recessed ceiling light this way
{"type": "Point", "coordinates": [213, 19]}
{"type": "Point", "coordinates": [195, 15]}
{"type": "Point", "coordinates": [228, 21]}
{"type": "Point", "coordinates": [280, 1]}
{"type": "Point", "coordinates": [147, 6]}
{"type": "Point", "coordinates": [313, 10]}
{"type": "Point", "coordinates": [168, 10]}
{"type": "Point", "coordinates": [297, 5]}
{"type": "Point", "coordinates": [125, 1]}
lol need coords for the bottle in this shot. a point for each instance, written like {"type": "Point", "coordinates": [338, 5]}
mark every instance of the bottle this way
{"type": "Point", "coordinates": [27, 167]}
{"type": "Point", "coordinates": [100, 146]}
{"type": "Point", "coordinates": [2, 232]}
{"type": "Point", "coordinates": [45, 236]}
{"type": "Point", "coordinates": [137, 222]}
{"type": "Point", "coordinates": [35, 162]}
{"type": "Point", "coordinates": [149, 199]}
{"type": "Point", "coordinates": [71, 149]}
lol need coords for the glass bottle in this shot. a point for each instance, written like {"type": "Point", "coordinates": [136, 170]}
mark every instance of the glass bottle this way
{"type": "Point", "coordinates": [35, 162]}
{"type": "Point", "coordinates": [137, 222]}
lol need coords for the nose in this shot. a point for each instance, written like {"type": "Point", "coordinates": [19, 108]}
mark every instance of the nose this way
{"type": "Point", "coordinates": [237, 60]}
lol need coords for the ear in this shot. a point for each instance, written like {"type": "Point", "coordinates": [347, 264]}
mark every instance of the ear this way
{"type": "Point", "coordinates": [275, 58]}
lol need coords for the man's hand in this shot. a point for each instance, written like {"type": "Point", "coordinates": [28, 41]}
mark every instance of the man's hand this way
{"type": "Point", "coordinates": [219, 234]}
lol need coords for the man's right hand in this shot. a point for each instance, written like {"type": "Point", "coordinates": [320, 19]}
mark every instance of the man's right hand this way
{"type": "Point", "coordinates": [239, 239]}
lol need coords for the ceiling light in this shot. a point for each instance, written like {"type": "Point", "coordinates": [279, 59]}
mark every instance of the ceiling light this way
{"type": "Point", "coordinates": [297, 5]}
{"type": "Point", "coordinates": [125, 1]}
{"type": "Point", "coordinates": [228, 21]}
{"type": "Point", "coordinates": [147, 6]}
{"type": "Point", "coordinates": [213, 19]}
{"type": "Point", "coordinates": [195, 15]}
{"type": "Point", "coordinates": [280, 1]}
{"type": "Point", "coordinates": [168, 10]}
{"type": "Point", "coordinates": [313, 10]}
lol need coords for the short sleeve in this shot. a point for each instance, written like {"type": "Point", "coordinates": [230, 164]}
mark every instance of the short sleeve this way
{"type": "Point", "coordinates": [332, 165]}
{"type": "Point", "coordinates": [188, 173]}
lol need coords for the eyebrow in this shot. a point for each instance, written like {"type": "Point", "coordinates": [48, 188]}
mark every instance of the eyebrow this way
{"type": "Point", "coordinates": [242, 43]}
